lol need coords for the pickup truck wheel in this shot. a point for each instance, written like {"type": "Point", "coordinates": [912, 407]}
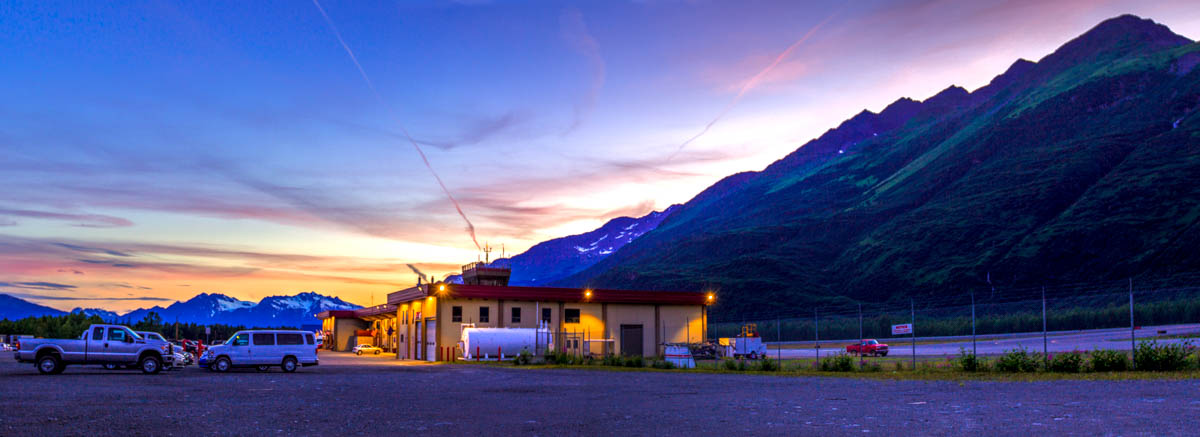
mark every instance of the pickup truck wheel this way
{"type": "Point", "coordinates": [49, 365]}
{"type": "Point", "coordinates": [264, 368]}
{"type": "Point", "coordinates": [111, 367]}
{"type": "Point", "coordinates": [289, 364]}
{"type": "Point", "coordinates": [150, 364]}
{"type": "Point", "coordinates": [883, 354]}
{"type": "Point", "coordinates": [222, 365]}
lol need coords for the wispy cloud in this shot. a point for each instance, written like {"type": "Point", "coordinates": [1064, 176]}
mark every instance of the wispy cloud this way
{"type": "Point", "coordinates": [575, 33]}
{"type": "Point", "coordinates": [37, 285]}
{"type": "Point", "coordinates": [80, 220]}
{"type": "Point", "coordinates": [29, 296]}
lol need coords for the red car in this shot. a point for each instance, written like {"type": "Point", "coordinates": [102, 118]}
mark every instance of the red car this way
{"type": "Point", "coordinates": [868, 347]}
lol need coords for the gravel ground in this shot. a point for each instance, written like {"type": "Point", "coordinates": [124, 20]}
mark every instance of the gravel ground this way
{"type": "Point", "coordinates": [350, 395]}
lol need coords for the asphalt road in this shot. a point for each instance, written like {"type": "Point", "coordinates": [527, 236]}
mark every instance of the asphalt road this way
{"type": "Point", "coordinates": [350, 395]}
{"type": "Point", "coordinates": [1059, 341]}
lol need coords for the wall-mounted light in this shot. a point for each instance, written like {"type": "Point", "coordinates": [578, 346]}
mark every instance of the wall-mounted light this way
{"type": "Point", "coordinates": [587, 294]}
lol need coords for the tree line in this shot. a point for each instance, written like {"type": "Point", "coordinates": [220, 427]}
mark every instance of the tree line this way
{"type": "Point", "coordinates": [72, 326]}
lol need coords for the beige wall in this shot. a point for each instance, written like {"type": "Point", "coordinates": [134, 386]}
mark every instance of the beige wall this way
{"type": "Point", "coordinates": [344, 332]}
{"type": "Point", "coordinates": [682, 324]}
{"type": "Point", "coordinates": [625, 314]}
{"type": "Point", "coordinates": [678, 320]}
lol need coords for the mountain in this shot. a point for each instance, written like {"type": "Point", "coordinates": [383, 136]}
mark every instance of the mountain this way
{"type": "Point", "coordinates": [13, 308]}
{"type": "Point", "coordinates": [1080, 167]}
{"type": "Point", "coordinates": [555, 259]}
{"type": "Point", "coordinates": [101, 313]}
{"type": "Point", "coordinates": [208, 308]}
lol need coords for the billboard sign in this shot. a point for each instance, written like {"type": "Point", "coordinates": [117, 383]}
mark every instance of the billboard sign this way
{"type": "Point", "coordinates": [904, 329]}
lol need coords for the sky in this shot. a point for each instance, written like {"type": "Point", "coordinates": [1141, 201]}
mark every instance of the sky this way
{"type": "Point", "coordinates": [154, 150]}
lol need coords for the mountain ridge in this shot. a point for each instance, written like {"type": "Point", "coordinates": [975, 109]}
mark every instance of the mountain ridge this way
{"type": "Point", "coordinates": [954, 186]}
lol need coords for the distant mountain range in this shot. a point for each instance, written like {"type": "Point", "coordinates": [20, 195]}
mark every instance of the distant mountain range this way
{"type": "Point", "coordinates": [555, 259]}
{"type": "Point", "coordinates": [1082, 166]}
{"type": "Point", "coordinates": [205, 308]}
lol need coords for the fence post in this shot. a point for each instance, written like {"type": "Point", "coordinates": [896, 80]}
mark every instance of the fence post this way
{"type": "Point", "coordinates": [860, 337]}
{"type": "Point", "coordinates": [1045, 348]}
{"type": "Point", "coordinates": [913, 325]}
{"type": "Point", "coordinates": [973, 349]}
{"type": "Point", "coordinates": [817, 337]}
{"type": "Point", "coordinates": [1132, 341]}
{"type": "Point", "coordinates": [778, 345]}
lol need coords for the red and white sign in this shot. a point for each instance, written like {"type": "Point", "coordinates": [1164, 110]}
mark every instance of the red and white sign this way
{"type": "Point", "coordinates": [902, 329]}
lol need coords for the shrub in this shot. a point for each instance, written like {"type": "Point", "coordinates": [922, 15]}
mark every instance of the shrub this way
{"type": "Point", "coordinates": [872, 367]}
{"type": "Point", "coordinates": [635, 361]}
{"type": "Point", "coordinates": [969, 362]}
{"type": "Point", "coordinates": [767, 365]}
{"type": "Point", "coordinates": [1162, 357]}
{"type": "Point", "coordinates": [524, 358]}
{"type": "Point", "coordinates": [1018, 360]}
{"type": "Point", "coordinates": [1109, 361]}
{"type": "Point", "coordinates": [662, 364]}
{"type": "Point", "coordinates": [613, 360]}
{"type": "Point", "coordinates": [729, 364]}
{"type": "Point", "coordinates": [838, 363]}
{"type": "Point", "coordinates": [898, 366]}
{"type": "Point", "coordinates": [1067, 363]}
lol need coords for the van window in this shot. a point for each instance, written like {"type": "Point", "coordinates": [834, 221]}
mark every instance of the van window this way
{"type": "Point", "coordinates": [242, 339]}
{"type": "Point", "coordinates": [308, 339]}
{"type": "Point", "coordinates": [289, 339]}
{"type": "Point", "coordinates": [264, 339]}
{"type": "Point", "coordinates": [116, 334]}
{"type": "Point", "coordinates": [98, 334]}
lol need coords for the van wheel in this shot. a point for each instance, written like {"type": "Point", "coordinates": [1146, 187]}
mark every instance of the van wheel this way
{"type": "Point", "coordinates": [49, 365]}
{"type": "Point", "coordinates": [264, 368]}
{"type": "Point", "coordinates": [150, 364]}
{"type": "Point", "coordinates": [222, 365]}
{"type": "Point", "coordinates": [289, 364]}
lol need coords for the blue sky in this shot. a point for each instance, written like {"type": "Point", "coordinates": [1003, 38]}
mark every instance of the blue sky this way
{"type": "Point", "coordinates": [233, 147]}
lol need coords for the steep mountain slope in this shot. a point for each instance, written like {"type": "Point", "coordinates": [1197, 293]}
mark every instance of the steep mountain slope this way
{"type": "Point", "coordinates": [13, 308]}
{"type": "Point", "coordinates": [101, 313]}
{"type": "Point", "coordinates": [1083, 166]}
{"type": "Point", "coordinates": [554, 259]}
{"type": "Point", "coordinates": [271, 311]}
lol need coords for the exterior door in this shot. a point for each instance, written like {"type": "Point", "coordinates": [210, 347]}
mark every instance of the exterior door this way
{"type": "Point", "coordinates": [431, 340]}
{"type": "Point", "coordinates": [631, 340]}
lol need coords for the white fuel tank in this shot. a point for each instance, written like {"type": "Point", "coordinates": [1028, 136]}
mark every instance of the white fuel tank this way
{"type": "Point", "coordinates": [490, 342]}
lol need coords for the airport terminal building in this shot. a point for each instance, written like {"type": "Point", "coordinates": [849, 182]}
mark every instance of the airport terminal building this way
{"type": "Point", "coordinates": [426, 322]}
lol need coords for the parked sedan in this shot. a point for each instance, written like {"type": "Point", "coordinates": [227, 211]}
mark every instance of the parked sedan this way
{"type": "Point", "coordinates": [367, 349]}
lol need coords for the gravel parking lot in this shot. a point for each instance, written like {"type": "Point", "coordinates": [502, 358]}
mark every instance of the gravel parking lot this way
{"type": "Point", "coordinates": [349, 395]}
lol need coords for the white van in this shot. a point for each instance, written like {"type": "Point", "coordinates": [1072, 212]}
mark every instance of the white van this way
{"type": "Point", "coordinates": [263, 349]}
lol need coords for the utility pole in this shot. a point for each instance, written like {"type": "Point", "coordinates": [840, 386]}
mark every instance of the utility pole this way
{"type": "Point", "coordinates": [973, 353]}
{"type": "Point", "coordinates": [1045, 348]}
{"type": "Point", "coordinates": [1132, 341]}
{"type": "Point", "coordinates": [778, 344]}
{"type": "Point", "coordinates": [860, 336]}
{"type": "Point", "coordinates": [913, 324]}
{"type": "Point", "coordinates": [817, 336]}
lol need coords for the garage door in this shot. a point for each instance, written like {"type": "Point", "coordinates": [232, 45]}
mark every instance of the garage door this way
{"type": "Point", "coordinates": [631, 340]}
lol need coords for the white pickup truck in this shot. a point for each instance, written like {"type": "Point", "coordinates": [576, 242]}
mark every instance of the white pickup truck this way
{"type": "Point", "coordinates": [99, 344]}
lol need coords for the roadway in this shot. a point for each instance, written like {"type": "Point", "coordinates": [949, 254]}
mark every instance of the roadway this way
{"type": "Point", "coordinates": [1056, 342]}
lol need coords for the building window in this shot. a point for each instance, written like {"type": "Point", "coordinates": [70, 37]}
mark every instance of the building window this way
{"type": "Point", "coordinates": [546, 315]}
{"type": "Point", "coordinates": [484, 314]}
{"type": "Point", "coordinates": [571, 315]}
{"type": "Point", "coordinates": [456, 314]}
{"type": "Point", "coordinates": [516, 315]}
